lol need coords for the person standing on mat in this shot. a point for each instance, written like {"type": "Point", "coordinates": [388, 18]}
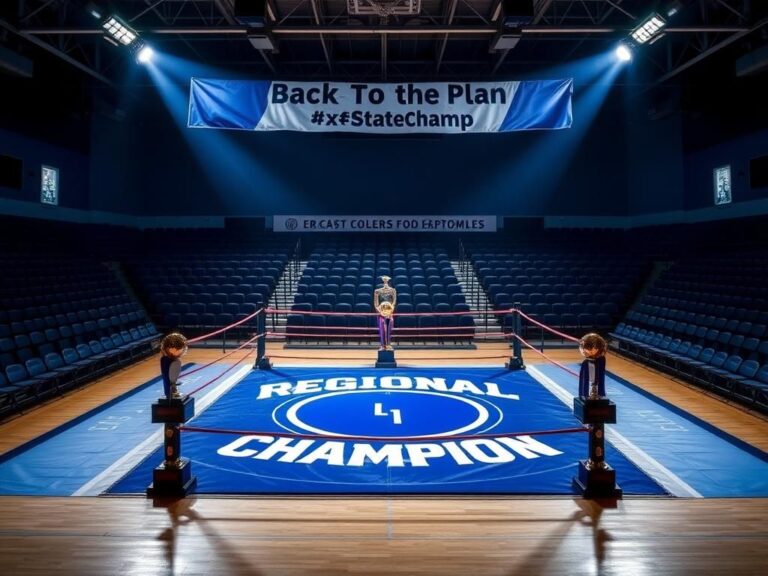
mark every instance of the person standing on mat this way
{"type": "Point", "coordinates": [385, 300]}
{"type": "Point", "coordinates": [592, 374]}
{"type": "Point", "coordinates": [172, 348]}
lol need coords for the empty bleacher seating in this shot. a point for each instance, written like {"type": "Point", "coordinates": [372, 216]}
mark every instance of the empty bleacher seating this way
{"type": "Point", "coordinates": [342, 274]}
{"type": "Point", "coordinates": [573, 291]}
{"type": "Point", "coordinates": [211, 287]}
{"type": "Point", "coordinates": [50, 310]}
{"type": "Point", "coordinates": [705, 319]}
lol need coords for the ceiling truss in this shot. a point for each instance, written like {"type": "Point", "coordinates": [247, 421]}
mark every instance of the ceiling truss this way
{"type": "Point", "coordinates": [319, 39]}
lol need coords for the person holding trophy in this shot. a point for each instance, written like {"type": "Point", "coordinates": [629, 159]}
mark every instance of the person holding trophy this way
{"type": "Point", "coordinates": [384, 301]}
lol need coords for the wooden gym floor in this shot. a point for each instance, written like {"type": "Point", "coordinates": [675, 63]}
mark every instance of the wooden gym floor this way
{"type": "Point", "coordinates": [474, 536]}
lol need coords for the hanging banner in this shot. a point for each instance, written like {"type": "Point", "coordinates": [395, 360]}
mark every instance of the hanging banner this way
{"type": "Point", "coordinates": [455, 108]}
{"type": "Point", "coordinates": [384, 223]}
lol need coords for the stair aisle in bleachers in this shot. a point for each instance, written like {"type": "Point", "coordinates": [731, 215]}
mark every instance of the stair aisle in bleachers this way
{"type": "Point", "coordinates": [476, 299]}
{"type": "Point", "coordinates": [122, 279]}
{"type": "Point", "coordinates": [333, 304]}
{"type": "Point", "coordinates": [283, 296]}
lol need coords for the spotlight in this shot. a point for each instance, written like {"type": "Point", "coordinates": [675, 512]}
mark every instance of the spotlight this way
{"type": "Point", "coordinates": [649, 29]}
{"type": "Point", "coordinates": [145, 54]}
{"type": "Point", "coordinates": [623, 53]}
{"type": "Point", "coordinates": [119, 31]}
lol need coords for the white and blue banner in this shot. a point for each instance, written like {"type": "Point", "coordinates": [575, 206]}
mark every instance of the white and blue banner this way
{"type": "Point", "coordinates": [372, 223]}
{"type": "Point", "coordinates": [440, 107]}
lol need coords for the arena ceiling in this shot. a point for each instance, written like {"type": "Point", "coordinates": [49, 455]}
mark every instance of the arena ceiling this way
{"type": "Point", "coordinates": [397, 40]}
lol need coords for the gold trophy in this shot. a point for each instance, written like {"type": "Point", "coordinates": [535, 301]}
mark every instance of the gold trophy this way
{"type": "Point", "coordinates": [386, 309]}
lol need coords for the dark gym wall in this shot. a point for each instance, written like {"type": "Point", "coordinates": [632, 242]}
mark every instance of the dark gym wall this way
{"type": "Point", "coordinates": [132, 159]}
{"type": "Point", "coordinates": [180, 171]}
{"type": "Point", "coordinates": [35, 151]}
{"type": "Point", "coordinates": [46, 121]}
{"type": "Point", "coordinates": [655, 166]}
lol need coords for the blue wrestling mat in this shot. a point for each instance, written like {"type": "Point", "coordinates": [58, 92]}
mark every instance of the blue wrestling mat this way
{"type": "Point", "coordinates": [278, 432]}
{"type": "Point", "coordinates": [445, 408]}
{"type": "Point", "coordinates": [82, 456]}
{"type": "Point", "coordinates": [685, 454]}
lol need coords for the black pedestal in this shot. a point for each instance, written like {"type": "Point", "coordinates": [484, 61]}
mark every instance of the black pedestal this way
{"type": "Point", "coordinates": [597, 411]}
{"type": "Point", "coordinates": [599, 479]}
{"type": "Point", "coordinates": [386, 359]}
{"type": "Point", "coordinates": [173, 410]}
{"type": "Point", "coordinates": [172, 480]}
{"type": "Point", "coordinates": [596, 482]}
{"type": "Point", "coordinates": [515, 363]}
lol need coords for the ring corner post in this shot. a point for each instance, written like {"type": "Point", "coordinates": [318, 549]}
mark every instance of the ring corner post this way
{"type": "Point", "coordinates": [262, 360]}
{"type": "Point", "coordinates": [516, 360]}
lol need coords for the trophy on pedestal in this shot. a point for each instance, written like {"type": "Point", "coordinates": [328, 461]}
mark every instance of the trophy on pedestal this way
{"type": "Point", "coordinates": [174, 476]}
{"type": "Point", "coordinates": [384, 301]}
{"type": "Point", "coordinates": [596, 479]}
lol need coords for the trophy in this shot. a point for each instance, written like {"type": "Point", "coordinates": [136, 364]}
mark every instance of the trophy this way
{"type": "Point", "coordinates": [173, 477]}
{"type": "Point", "coordinates": [172, 348]}
{"type": "Point", "coordinates": [595, 478]}
{"type": "Point", "coordinates": [592, 374]}
{"type": "Point", "coordinates": [384, 300]}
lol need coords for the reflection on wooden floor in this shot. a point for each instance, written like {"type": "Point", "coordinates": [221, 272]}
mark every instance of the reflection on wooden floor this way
{"type": "Point", "coordinates": [378, 535]}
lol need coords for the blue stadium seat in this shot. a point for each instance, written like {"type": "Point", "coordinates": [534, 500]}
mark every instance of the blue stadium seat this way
{"type": "Point", "coordinates": [17, 376]}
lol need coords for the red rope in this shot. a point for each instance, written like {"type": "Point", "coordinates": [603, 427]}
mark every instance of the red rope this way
{"type": "Point", "coordinates": [379, 438]}
{"type": "Point", "coordinates": [404, 358]}
{"type": "Point", "coordinates": [316, 313]}
{"type": "Point", "coordinates": [211, 381]}
{"type": "Point", "coordinates": [220, 358]}
{"type": "Point", "coordinates": [374, 330]}
{"type": "Point", "coordinates": [397, 329]}
{"type": "Point", "coordinates": [547, 357]}
{"type": "Point", "coordinates": [547, 328]}
{"type": "Point", "coordinates": [220, 330]}
{"type": "Point", "coordinates": [425, 336]}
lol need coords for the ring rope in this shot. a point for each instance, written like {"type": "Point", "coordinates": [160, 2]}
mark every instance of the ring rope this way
{"type": "Point", "coordinates": [459, 313]}
{"type": "Point", "coordinates": [220, 330]}
{"type": "Point", "coordinates": [555, 362]}
{"type": "Point", "coordinates": [220, 358]}
{"type": "Point", "coordinates": [327, 336]}
{"type": "Point", "coordinates": [379, 438]}
{"type": "Point", "coordinates": [373, 329]}
{"type": "Point", "coordinates": [371, 333]}
{"type": "Point", "coordinates": [548, 328]}
{"type": "Point", "coordinates": [404, 359]}
{"type": "Point", "coordinates": [212, 380]}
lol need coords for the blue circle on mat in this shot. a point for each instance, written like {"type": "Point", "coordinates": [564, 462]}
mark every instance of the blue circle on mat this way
{"type": "Point", "coordinates": [385, 413]}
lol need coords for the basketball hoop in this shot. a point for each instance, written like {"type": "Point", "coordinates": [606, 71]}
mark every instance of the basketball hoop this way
{"type": "Point", "coordinates": [384, 8]}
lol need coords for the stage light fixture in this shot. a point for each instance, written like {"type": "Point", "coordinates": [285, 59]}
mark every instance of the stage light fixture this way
{"type": "Point", "coordinates": [651, 28]}
{"type": "Point", "coordinates": [623, 52]}
{"type": "Point", "coordinates": [120, 31]}
{"type": "Point", "coordinates": [144, 54]}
